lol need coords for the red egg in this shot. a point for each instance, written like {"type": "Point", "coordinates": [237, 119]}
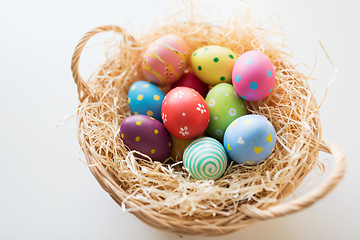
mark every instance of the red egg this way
{"type": "Point", "coordinates": [184, 113]}
{"type": "Point", "coordinates": [190, 80]}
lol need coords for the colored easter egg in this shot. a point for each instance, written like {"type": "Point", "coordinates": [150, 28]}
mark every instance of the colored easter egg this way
{"type": "Point", "coordinates": [190, 80]}
{"type": "Point", "coordinates": [145, 98]}
{"type": "Point", "coordinates": [249, 139]}
{"type": "Point", "coordinates": [205, 159]}
{"type": "Point", "coordinates": [165, 60]}
{"type": "Point", "coordinates": [178, 147]}
{"type": "Point", "coordinates": [253, 76]}
{"type": "Point", "coordinates": [184, 113]}
{"type": "Point", "coordinates": [224, 106]}
{"type": "Point", "coordinates": [213, 64]}
{"type": "Point", "coordinates": [146, 135]}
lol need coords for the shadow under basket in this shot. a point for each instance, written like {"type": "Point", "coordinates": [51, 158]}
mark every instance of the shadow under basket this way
{"type": "Point", "coordinates": [161, 195]}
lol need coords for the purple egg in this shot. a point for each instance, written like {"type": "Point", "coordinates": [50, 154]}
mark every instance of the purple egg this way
{"type": "Point", "coordinates": [146, 135]}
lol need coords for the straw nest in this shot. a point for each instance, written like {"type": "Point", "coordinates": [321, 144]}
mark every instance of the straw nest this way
{"type": "Point", "coordinates": [163, 195]}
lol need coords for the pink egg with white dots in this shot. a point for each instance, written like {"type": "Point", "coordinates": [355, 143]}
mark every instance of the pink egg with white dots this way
{"type": "Point", "coordinates": [253, 76]}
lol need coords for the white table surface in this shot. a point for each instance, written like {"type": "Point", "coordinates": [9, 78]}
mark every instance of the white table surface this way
{"type": "Point", "coordinates": [47, 193]}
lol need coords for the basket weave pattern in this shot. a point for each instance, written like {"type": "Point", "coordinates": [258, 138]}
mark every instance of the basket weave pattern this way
{"type": "Point", "coordinates": [243, 214]}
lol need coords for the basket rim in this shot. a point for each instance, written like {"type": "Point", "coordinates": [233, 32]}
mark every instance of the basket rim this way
{"type": "Point", "coordinates": [247, 214]}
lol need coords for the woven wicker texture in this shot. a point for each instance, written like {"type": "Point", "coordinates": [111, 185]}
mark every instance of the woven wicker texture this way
{"type": "Point", "coordinates": [103, 104]}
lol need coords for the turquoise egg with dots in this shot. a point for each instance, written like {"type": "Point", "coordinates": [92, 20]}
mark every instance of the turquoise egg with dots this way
{"type": "Point", "coordinates": [205, 159]}
{"type": "Point", "coordinates": [250, 139]}
{"type": "Point", "coordinates": [145, 98]}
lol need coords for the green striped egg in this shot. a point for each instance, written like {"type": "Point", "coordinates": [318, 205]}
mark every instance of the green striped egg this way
{"type": "Point", "coordinates": [205, 159]}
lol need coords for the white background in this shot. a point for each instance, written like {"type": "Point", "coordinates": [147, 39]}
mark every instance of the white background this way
{"type": "Point", "coordinates": [47, 193]}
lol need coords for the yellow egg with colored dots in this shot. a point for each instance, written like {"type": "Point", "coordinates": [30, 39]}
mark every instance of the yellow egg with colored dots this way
{"type": "Point", "coordinates": [213, 64]}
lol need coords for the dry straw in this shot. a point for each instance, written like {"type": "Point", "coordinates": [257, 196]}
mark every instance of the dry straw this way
{"type": "Point", "coordinates": [162, 195]}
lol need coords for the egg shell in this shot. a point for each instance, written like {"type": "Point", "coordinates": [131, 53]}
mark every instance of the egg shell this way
{"type": "Point", "coordinates": [205, 159]}
{"type": "Point", "coordinates": [178, 147]}
{"type": "Point", "coordinates": [224, 107]}
{"type": "Point", "coordinates": [165, 60]}
{"type": "Point", "coordinates": [184, 113]}
{"type": "Point", "coordinates": [145, 98]}
{"type": "Point", "coordinates": [249, 139]}
{"type": "Point", "coordinates": [253, 76]}
{"type": "Point", "coordinates": [146, 135]}
{"type": "Point", "coordinates": [190, 80]}
{"type": "Point", "coordinates": [213, 64]}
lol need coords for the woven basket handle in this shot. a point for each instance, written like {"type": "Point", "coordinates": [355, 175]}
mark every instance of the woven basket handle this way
{"type": "Point", "coordinates": [310, 198]}
{"type": "Point", "coordinates": [82, 88]}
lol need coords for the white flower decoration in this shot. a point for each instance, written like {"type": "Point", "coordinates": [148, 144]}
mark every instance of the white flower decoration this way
{"type": "Point", "coordinates": [218, 132]}
{"type": "Point", "coordinates": [164, 117]}
{"type": "Point", "coordinates": [232, 111]}
{"type": "Point", "coordinates": [183, 131]}
{"type": "Point", "coordinates": [201, 108]}
{"type": "Point", "coordinates": [179, 94]}
{"type": "Point", "coordinates": [212, 102]}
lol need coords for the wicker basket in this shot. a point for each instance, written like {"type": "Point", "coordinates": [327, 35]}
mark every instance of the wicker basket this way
{"type": "Point", "coordinates": [244, 215]}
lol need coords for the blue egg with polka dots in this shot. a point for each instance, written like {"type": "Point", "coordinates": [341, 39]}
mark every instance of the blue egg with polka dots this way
{"type": "Point", "coordinates": [250, 139]}
{"type": "Point", "coordinates": [145, 98]}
